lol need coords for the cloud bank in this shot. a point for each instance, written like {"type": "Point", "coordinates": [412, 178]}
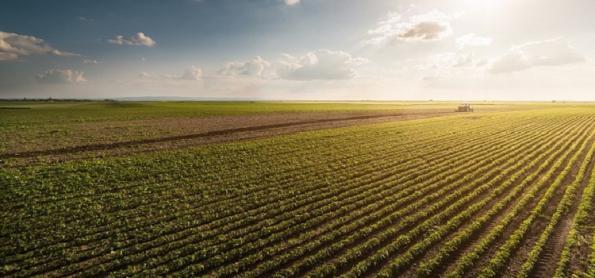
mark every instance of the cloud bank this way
{"type": "Point", "coordinates": [319, 65]}
{"type": "Point", "coordinates": [61, 76]}
{"type": "Point", "coordinates": [291, 2]}
{"type": "Point", "coordinates": [257, 67]}
{"type": "Point", "coordinates": [13, 46]}
{"type": "Point", "coordinates": [315, 65]}
{"type": "Point", "coordinates": [430, 26]}
{"type": "Point", "coordinates": [553, 52]}
{"type": "Point", "coordinates": [192, 73]}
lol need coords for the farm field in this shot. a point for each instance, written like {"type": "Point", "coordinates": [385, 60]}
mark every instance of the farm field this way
{"type": "Point", "coordinates": [273, 189]}
{"type": "Point", "coordinates": [59, 129]}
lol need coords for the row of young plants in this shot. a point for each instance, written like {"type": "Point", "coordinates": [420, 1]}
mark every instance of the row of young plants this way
{"type": "Point", "coordinates": [470, 257]}
{"type": "Point", "coordinates": [276, 225]}
{"type": "Point", "coordinates": [428, 267]}
{"type": "Point", "coordinates": [577, 228]}
{"type": "Point", "coordinates": [171, 169]}
{"type": "Point", "coordinates": [563, 208]}
{"type": "Point", "coordinates": [385, 266]}
{"type": "Point", "coordinates": [502, 256]}
{"type": "Point", "coordinates": [61, 178]}
{"type": "Point", "coordinates": [341, 245]}
{"type": "Point", "coordinates": [317, 217]}
{"type": "Point", "coordinates": [591, 267]}
{"type": "Point", "coordinates": [272, 254]}
{"type": "Point", "coordinates": [60, 208]}
{"type": "Point", "coordinates": [581, 218]}
{"type": "Point", "coordinates": [110, 174]}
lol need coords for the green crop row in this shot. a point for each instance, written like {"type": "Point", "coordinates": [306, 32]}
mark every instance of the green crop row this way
{"type": "Point", "coordinates": [561, 209]}
{"type": "Point", "coordinates": [257, 234]}
{"type": "Point", "coordinates": [265, 210]}
{"type": "Point", "coordinates": [397, 265]}
{"type": "Point", "coordinates": [580, 219]}
{"type": "Point", "coordinates": [468, 259]}
{"type": "Point", "coordinates": [405, 198]}
{"type": "Point", "coordinates": [502, 255]}
{"type": "Point", "coordinates": [452, 182]}
{"type": "Point", "coordinates": [427, 268]}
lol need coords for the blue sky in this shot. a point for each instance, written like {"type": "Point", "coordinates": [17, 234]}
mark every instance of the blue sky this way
{"type": "Point", "coordinates": [290, 49]}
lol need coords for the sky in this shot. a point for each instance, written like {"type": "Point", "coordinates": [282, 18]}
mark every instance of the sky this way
{"type": "Point", "coordinates": [299, 49]}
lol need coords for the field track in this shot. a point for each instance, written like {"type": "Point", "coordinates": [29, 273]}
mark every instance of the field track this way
{"type": "Point", "coordinates": [231, 134]}
{"type": "Point", "coordinates": [493, 194]}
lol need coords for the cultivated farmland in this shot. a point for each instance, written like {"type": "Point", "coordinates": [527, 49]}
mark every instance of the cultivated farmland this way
{"type": "Point", "coordinates": [297, 189]}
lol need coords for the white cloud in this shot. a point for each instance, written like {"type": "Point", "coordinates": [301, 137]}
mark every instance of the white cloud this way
{"type": "Point", "coordinates": [472, 40]}
{"type": "Point", "coordinates": [315, 65]}
{"type": "Point", "coordinates": [553, 52]}
{"type": "Point", "coordinates": [138, 39]}
{"type": "Point", "coordinates": [61, 76]}
{"type": "Point", "coordinates": [425, 31]}
{"type": "Point", "coordinates": [430, 26]}
{"type": "Point", "coordinates": [257, 67]}
{"type": "Point", "coordinates": [291, 2]}
{"type": "Point", "coordinates": [13, 46]}
{"type": "Point", "coordinates": [192, 73]}
{"type": "Point", "coordinates": [319, 65]}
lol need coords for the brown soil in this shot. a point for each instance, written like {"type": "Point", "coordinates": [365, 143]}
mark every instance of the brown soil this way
{"type": "Point", "coordinates": [510, 228]}
{"type": "Point", "coordinates": [184, 132]}
{"type": "Point", "coordinates": [540, 224]}
{"type": "Point", "coordinates": [411, 271]}
{"type": "Point", "coordinates": [552, 251]}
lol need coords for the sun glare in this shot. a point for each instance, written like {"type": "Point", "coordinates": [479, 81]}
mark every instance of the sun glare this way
{"type": "Point", "coordinates": [485, 4]}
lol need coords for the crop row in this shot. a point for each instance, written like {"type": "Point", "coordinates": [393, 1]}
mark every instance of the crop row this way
{"type": "Point", "coordinates": [511, 244]}
{"type": "Point", "coordinates": [578, 225]}
{"type": "Point", "coordinates": [391, 267]}
{"type": "Point", "coordinates": [155, 192]}
{"type": "Point", "coordinates": [354, 201]}
{"type": "Point", "coordinates": [561, 209]}
{"type": "Point", "coordinates": [448, 248]}
{"type": "Point", "coordinates": [468, 259]}
{"type": "Point", "coordinates": [272, 253]}
{"type": "Point", "coordinates": [197, 234]}
{"type": "Point", "coordinates": [409, 221]}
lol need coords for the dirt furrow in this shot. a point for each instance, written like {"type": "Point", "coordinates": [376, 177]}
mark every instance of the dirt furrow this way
{"type": "Point", "coordinates": [223, 135]}
{"type": "Point", "coordinates": [519, 257]}
{"type": "Point", "coordinates": [555, 244]}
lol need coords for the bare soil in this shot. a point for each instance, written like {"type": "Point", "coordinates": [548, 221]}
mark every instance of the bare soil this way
{"type": "Point", "coordinates": [548, 254]}
{"type": "Point", "coordinates": [553, 249]}
{"type": "Point", "coordinates": [510, 228]}
{"type": "Point", "coordinates": [173, 133]}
